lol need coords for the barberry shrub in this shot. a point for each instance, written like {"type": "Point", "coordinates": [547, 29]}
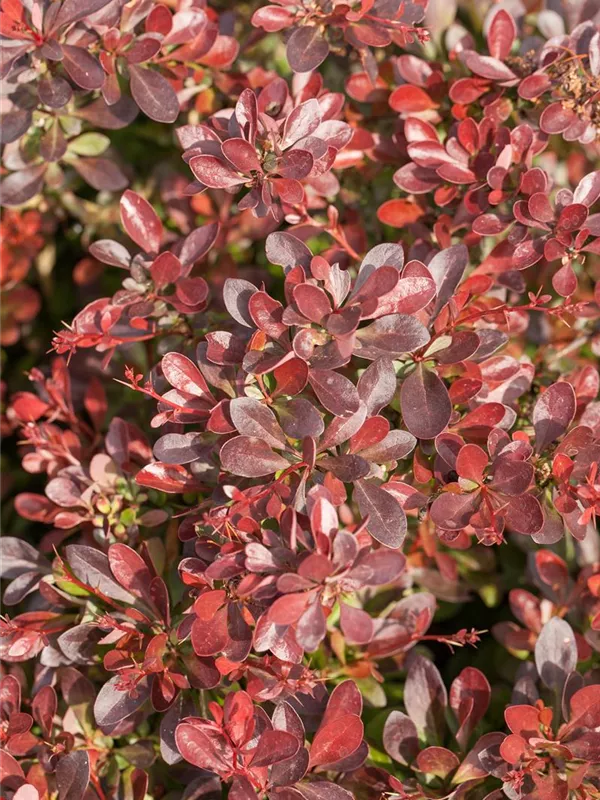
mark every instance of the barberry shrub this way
{"type": "Point", "coordinates": [300, 414]}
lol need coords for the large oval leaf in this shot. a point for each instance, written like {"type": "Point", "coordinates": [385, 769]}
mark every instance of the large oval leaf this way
{"type": "Point", "coordinates": [387, 521]}
{"type": "Point", "coordinates": [425, 403]}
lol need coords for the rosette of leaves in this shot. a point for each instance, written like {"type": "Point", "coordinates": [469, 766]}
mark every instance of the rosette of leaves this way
{"type": "Point", "coordinates": [272, 157]}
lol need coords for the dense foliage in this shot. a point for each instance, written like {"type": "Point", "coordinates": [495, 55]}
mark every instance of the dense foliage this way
{"type": "Point", "coordinates": [300, 400]}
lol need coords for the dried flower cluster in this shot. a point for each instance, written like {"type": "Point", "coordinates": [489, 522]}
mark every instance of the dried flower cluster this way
{"type": "Point", "coordinates": [303, 501]}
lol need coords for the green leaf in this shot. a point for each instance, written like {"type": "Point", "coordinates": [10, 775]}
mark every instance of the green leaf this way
{"type": "Point", "coordinates": [89, 144]}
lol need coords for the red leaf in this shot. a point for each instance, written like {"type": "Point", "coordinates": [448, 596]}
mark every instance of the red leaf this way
{"type": "Point", "coordinates": [470, 695]}
{"type": "Point", "coordinates": [399, 213]}
{"type": "Point", "coordinates": [184, 375]}
{"type": "Point", "coordinates": [336, 740]}
{"type": "Point", "coordinates": [130, 569]}
{"type": "Point", "coordinates": [141, 222]}
{"type": "Point", "coordinates": [501, 34]}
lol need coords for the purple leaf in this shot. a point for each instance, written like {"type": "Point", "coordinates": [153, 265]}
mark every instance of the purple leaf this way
{"type": "Point", "coordinates": [555, 653]}
{"type": "Point", "coordinates": [179, 448]}
{"type": "Point", "coordinates": [73, 775]}
{"type": "Point", "coordinates": [252, 418]}
{"type": "Point", "coordinates": [102, 174]}
{"type": "Point", "coordinates": [390, 336]}
{"type": "Point", "coordinates": [236, 295]}
{"type": "Point", "coordinates": [19, 187]}
{"type": "Point", "coordinates": [54, 92]}
{"type": "Point", "coordinates": [470, 696]}
{"type": "Point", "coordinates": [553, 413]}
{"type": "Point", "coordinates": [383, 255]}
{"type": "Point", "coordinates": [377, 385]}
{"type": "Point", "coordinates": [454, 511]}
{"type": "Point", "coordinates": [335, 392]}
{"type": "Point", "coordinates": [356, 624]}
{"type": "Point", "coordinates": [524, 514]}
{"type": "Point", "coordinates": [287, 251]}
{"type": "Point", "coordinates": [302, 121]}
{"type": "Point", "coordinates": [425, 404]}
{"type": "Point", "coordinates": [387, 521]}
{"type": "Point", "coordinates": [91, 567]}
{"type": "Point", "coordinates": [197, 244]}
{"type": "Point", "coordinates": [396, 445]}
{"type": "Point", "coordinates": [82, 67]}
{"type": "Point", "coordinates": [306, 49]}
{"type": "Point", "coordinates": [73, 10]}
{"type": "Point", "coordinates": [17, 556]}
{"type": "Point", "coordinates": [447, 269]}
{"type": "Point", "coordinates": [487, 67]}
{"type": "Point", "coordinates": [250, 457]}
{"type": "Point", "coordinates": [153, 94]}
{"type": "Point", "coordinates": [400, 738]}
{"type": "Point", "coordinates": [425, 698]}
{"type": "Point", "coordinates": [114, 704]}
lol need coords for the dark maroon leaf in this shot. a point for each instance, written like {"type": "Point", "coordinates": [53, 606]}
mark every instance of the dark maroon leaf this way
{"type": "Point", "coordinates": [250, 457]}
{"type": "Point", "coordinates": [102, 174]}
{"type": "Point", "coordinates": [390, 336]}
{"type": "Point", "coordinates": [335, 392]}
{"type": "Point", "coordinates": [470, 696]}
{"type": "Point", "coordinates": [92, 568]}
{"type": "Point", "coordinates": [425, 403]}
{"type": "Point", "coordinates": [387, 521]}
{"type": "Point", "coordinates": [236, 296]}
{"type": "Point", "coordinates": [447, 269]}
{"type": "Point", "coordinates": [425, 698]}
{"type": "Point", "coordinates": [274, 746]}
{"type": "Point", "coordinates": [73, 775]}
{"type": "Point", "coordinates": [82, 67]}
{"type": "Point", "coordinates": [252, 418]}
{"type": "Point", "coordinates": [114, 703]}
{"type": "Point", "coordinates": [153, 94]}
